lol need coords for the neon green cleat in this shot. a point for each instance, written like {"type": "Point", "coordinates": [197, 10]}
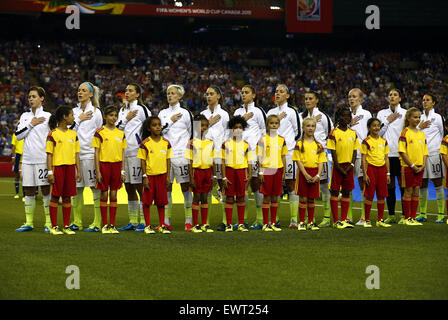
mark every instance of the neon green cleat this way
{"type": "Point", "coordinates": [383, 224]}
{"type": "Point", "coordinates": [242, 228]}
{"type": "Point", "coordinates": [416, 223]}
{"type": "Point", "coordinates": [197, 229]}
{"type": "Point", "coordinates": [275, 228]}
{"type": "Point", "coordinates": [301, 226]}
{"type": "Point", "coordinates": [338, 225]}
{"type": "Point", "coordinates": [113, 230]}
{"type": "Point", "coordinates": [105, 229]}
{"type": "Point", "coordinates": [367, 224]}
{"type": "Point", "coordinates": [206, 228]}
{"type": "Point", "coordinates": [67, 230]}
{"type": "Point", "coordinates": [229, 228]}
{"type": "Point", "coordinates": [163, 229]}
{"type": "Point", "coordinates": [312, 227]}
{"type": "Point", "coordinates": [149, 230]}
{"type": "Point", "coordinates": [267, 228]}
{"type": "Point", "coordinates": [56, 231]}
{"type": "Point", "coordinates": [16, 196]}
{"type": "Point", "coordinates": [390, 219]}
{"type": "Point", "coordinates": [325, 223]}
{"type": "Point", "coordinates": [402, 221]}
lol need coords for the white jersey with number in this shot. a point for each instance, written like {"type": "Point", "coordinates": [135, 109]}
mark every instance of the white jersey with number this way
{"type": "Point", "coordinates": [361, 127]}
{"type": "Point", "coordinates": [391, 130]}
{"type": "Point", "coordinates": [289, 126]}
{"type": "Point", "coordinates": [218, 132]}
{"type": "Point", "coordinates": [434, 133]}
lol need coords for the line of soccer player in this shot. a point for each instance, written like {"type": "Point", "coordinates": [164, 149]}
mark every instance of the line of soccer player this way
{"type": "Point", "coordinates": [78, 147]}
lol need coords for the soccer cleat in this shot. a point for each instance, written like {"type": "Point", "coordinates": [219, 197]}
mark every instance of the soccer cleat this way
{"type": "Point", "coordinates": [421, 218]}
{"type": "Point", "coordinates": [242, 228]}
{"type": "Point", "coordinates": [256, 226]}
{"type": "Point", "coordinates": [338, 225]}
{"type": "Point", "coordinates": [402, 221]}
{"type": "Point", "coordinates": [188, 227]}
{"type": "Point", "coordinates": [56, 231]}
{"type": "Point", "coordinates": [197, 229]}
{"type": "Point", "coordinates": [349, 222]}
{"type": "Point", "coordinates": [164, 229]}
{"type": "Point", "coordinates": [25, 228]}
{"type": "Point", "coordinates": [113, 230]}
{"type": "Point", "coordinates": [105, 229]}
{"type": "Point", "coordinates": [149, 230]}
{"type": "Point", "coordinates": [267, 227]}
{"type": "Point", "coordinates": [325, 223]}
{"type": "Point", "coordinates": [47, 229]}
{"type": "Point", "coordinates": [360, 222]}
{"type": "Point", "coordinates": [301, 226]}
{"type": "Point", "coordinates": [367, 224]}
{"type": "Point", "coordinates": [293, 224]}
{"type": "Point", "coordinates": [347, 225]}
{"type": "Point", "coordinates": [23, 199]}
{"type": "Point", "coordinates": [229, 228]}
{"type": "Point", "coordinates": [416, 223]}
{"type": "Point", "coordinates": [221, 227]}
{"type": "Point", "coordinates": [441, 220]}
{"type": "Point", "coordinates": [140, 227]}
{"type": "Point", "coordinates": [275, 227]}
{"type": "Point", "coordinates": [381, 223]}
{"type": "Point", "coordinates": [92, 229]}
{"type": "Point", "coordinates": [75, 227]}
{"type": "Point", "coordinates": [206, 228]}
{"type": "Point", "coordinates": [67, 230]}
{"type": "Point", "coordinates": [127, 227]}
{"type": "Point", "coordinates": [277, 224]}
{"type": "Point", "coordinates": [312, 226]}
{"type": "Point", "coordinates": [16, 196]}
{"type": "Point", "coordinates": [390, 220]}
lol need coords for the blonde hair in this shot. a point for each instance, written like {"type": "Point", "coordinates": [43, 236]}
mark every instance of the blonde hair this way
{"type": "Point", "coordinates": [95, 99]}
{"type": "Point", "coordinates": [409, 114]}
{"type": "Point", "coordinates": [180, 89]}
{"type": "Point", "coordinates": [319, 146]}
{"type": "Point", "coordinates": [272, 116]}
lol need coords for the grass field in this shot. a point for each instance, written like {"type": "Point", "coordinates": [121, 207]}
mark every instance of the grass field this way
{"type": "Point", "coordinates": [287, 265]}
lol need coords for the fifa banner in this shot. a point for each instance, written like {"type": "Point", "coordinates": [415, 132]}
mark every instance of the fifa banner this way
{"type": "Point", "coordinates": [139, 9]}
{"type": "Point", "coordinates": [309, 16]}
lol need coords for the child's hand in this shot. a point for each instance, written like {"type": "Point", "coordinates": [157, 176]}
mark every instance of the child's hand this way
{"type": "Point", "coordinates": [214, 182]}
{"type": "Point", "coordinates": [283, 178]}
{"type": "Point", "coordinates": [145, 183]}
{"type": "Point", "coordinates": [261, 177]}
{"type": "Point", "coordinates": [192, 184]}
{"type": "Point", "coordinates": [123, 178]}
{"type": "Point", "coordinates": [225, 183]}
{"type": "Point", "coordinates": [315, 179]}
{"type": "Point", "coordinates": [99, 177]}
{"type": "Point", "coordinates": [308, 177]}
{"type": "Point", "coordinates": [388, 179]}
{"type": "Point", "coordinates": [78, 176]}
{"type": "Point", "coordinates": [168, 182]}
{"type": "Point", "coordinates": [50, 178]}
{"type": "Point", "coordinates": [419, 169]}
{"type": "Point", "coordinates": [367, 179]}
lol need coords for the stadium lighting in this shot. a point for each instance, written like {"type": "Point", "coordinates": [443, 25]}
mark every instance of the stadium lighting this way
{"type": "Point", "coordinates": [178, 4]}
{"type": "Point", "coordinates": [275, 8]}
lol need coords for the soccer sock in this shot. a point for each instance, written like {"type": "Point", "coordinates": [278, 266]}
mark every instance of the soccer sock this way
{"type": "Point", "coordinates": [188, 200]}
{"type": "Point", "coordinates": [77, 211]}
{"type": "Point", "coordinates": [334, 208]}
{"type": "Point", "coordinates": [204, 213]}
{"type": "Point", "coordinates": [140, 214]}
{"type": "Point", "coordinates": [103, 209]}
{"type": "Point", "coordinates": [146, 214]}
{"type": "Point", "coordinates": [259, 203]}
{"type": "Point", "coordinates": [406, 206]}
{"type": "Point", "coordinates": [17, 186]}
{"type": "Point", "coordinates": [112, 211]}
{"type": "Point", "coordinates": [246, 206]}
{"type": "Point", "coordinates": [228, 210]}
{"type": "Point", "coordinates": [350, 207]}
{"type": "Point", "coordinates": [311, 207]}
{"type": "Point", "coordinates": [390, 200]}
{"type": "Point", "coordinates": [302, 211]}
{"type": "Point", "coordinates": [223, 206]}
{"type": "Point", "coordinates": [265, 211]}
{"type": "Point", "coordinates": [133, 211]}
{"type": "Point", "coordinates": [240, 206]}
{"type": "Point", "coordinates": [367, 208]}
{"type": "Point", "coordinates": [402, 193]}
{"type": "Point", "coordinates": [96, 207]}
{"type": "Point", "coordinates": [169, 206]}
{"type": "Point", "coordinates": [30, 207]}
{"type": "Point", "coordinates": [423, 201]}
{"type": "Point", "coordinates": [345, 201]}
{"type": "Point", "coordinates": [380, 207]}
{"type": "Point", "coordinates": [274, 208]}
{"type": "Point", "coordinates": [66, 210]}
{"type": "Point", "coordinates": [54, 213]}
{"type": "Point", "coordinates": [195, 212]}
{"type": "Point", "coordinates": [414, 206]}
{"type": "Point", "coordinates": [326, 200]}
{"type": "Point", "coordinates": [440, 198]}
{"type": "Point", "coordinates": [294, 205]}
{"type": "Point", "coordinates": [209, 200]}
{"type": "Point", "coordinates": [161, 212]}
{"type": "Point", "coordinates": [46, 205]}
{"type": "Point", "coordinates": [363, 214]}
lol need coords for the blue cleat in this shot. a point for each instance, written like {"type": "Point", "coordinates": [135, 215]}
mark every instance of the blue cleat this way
{"type": "Point", "coordinates": [47, 229]}
{"type": "Point", "coordinates": [441, 220]}
{"type": "Point", "coordinates": [421, 219]}
{"type": "Point", "coordinates": [75, 227]}
{"type": "Point", "coordinates": [256, 226]}
{"type": "Point", "coordinates": [127, 227]}
{"type": "Point", "coordinates": [140, 227]}
{"type": "Point", "coordinates": [94, 229]}
{"type": "Point", "coordinates": [25, 228]}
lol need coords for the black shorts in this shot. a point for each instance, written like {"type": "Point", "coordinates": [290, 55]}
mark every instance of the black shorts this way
{"type": "Point", "coordinates": [395, 167]}
{"type": "Point", "coordinates": [18, 156]}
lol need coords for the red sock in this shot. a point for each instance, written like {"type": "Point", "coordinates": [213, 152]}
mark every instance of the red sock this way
{"type": "Point", "coordinates": [66, 210]}
{"type": "Point", "coordinates": [274, 208]}
{"type": "Point", "coordinates": [310, 206]}
{"type": "Point", "coordinates": [103, 209]}
{"type": "Point", "coordinates": [334, 208]}
{"type": "Point", "coordinates": [146, 211]}
{"type": "Point", "coordinates": [406, 206]}
{"type": "Point", "coordinates": [161, 212]}
{"type": "Point", "coordinates": [368, 207]}
{"type": "Point", "coordinates": [380, 206]}
{"type": "Point", "coordinates": [112, 211]}
{"type": "Point", "coordinates": [204, 213]}
{"type": "Point", "coordinates": [195, 211]}
{"type": "Point", "coordinates": [265, 210]}
{"type": "Point", "coordinates": [302, 211]}
{"type": "Point", "coordinates": [229, 211]}
{"type": "Point", "coordinates": [414, 207]}
{"type": "Point", "coordinates": [345, 203]}
{"type": "Point", "coordinates": [54, 213]}
{"type": "Point", "coordinates": [240, 206]}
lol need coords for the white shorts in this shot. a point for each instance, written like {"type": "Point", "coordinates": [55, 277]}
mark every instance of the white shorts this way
{"type": "Point", "coordinates": [179, 170]}
{"type": "Point", "coordinates": [34, 175]}
{"type": "Point", "coordinates": [325, 171]}
{"type": "Point", "coordinates": [255, 168]}
{"type": "Point", "coordinates": [217, 163]}
{"type": "Point", "coordinates": [433, 168]}
{"type": "Point", "coordinates": [291, 167]}
{"type": "Point", "coordinates": [133, 168]}
{"type": "Point", "coordinates": [88, 173]}
{"type": "Point", "coordinates": [358, 169]}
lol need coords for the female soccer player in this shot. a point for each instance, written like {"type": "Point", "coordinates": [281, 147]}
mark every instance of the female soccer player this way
{"type": "Point", "coordinates": [33, 128]}
{"type": "Point", "coordinates": [289, 129]}
{"type": "Point", "coordinates": [218, 119]}
{"type": "Point", "coordinates": [324, 125]}
{"type": "Point", "coordinates": [343, 144]}
{"type": "Point", "coordinates": [177, 128]}
{"type": "Point", "coordinates": [154, 154]}
{"type": "Point", "coordinates": [444, 153]}
{"type": "Point", "coordinates": [88, 119]}
{"type": "Point", "coordinates": [130, 119]}
{"type": "Point", "coordinates": [376, 176]}
{"type": "Point", "coordinates": [236, 171]}
{"type": "Point", "coordinates": [432, 126]}
{"type": "Point", "coordinates": [391, 126]}
{"type": "Point", "coordinates": [256, 127]}
{"type": "Point", "coordinates": [200, 152]}
{"type": "Point", "coordinates": [271, 152]}
{"type": "Point", "coordinates": [309, 155]}
{"type": "Point", "coordinates": [63, 166]}
{"type": "Point", "coordinates": [413, 152]}
{"type": "Point", "coordinates": [109, 143]}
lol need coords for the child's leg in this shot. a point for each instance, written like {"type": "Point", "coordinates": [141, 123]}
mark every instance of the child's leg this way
{"type": "Point", "coordinates": [161, 212]}
{"type": "Point", "coordinates": [368, 208]}
{"type": "Point", "coordinates": [407, 197]}
{"type": "Point", "coordinates": [310, 205]}
{"type": "Point", "coordinates": [54, 202]}
{"type": "Point", "coordinates": [240, 205]}
{"type": "Point", "coordinates": [229, 209]}
{"type": "Point", "coordinates": [103, 207]}
{"type": "Point", "coordinates": [380, 206]}
{"type": "Point", "coordinates": [302, 209]}
{"type": "Point", "coordinates": [195, 208]}
{"type": "Point", "coordinates": [414, 201]}
{"type": "Point", "coordinates": [334, 205]}
{"type": "Point", "coordinates": [345, 202]}
{"type": "Point", "coordinates": [274, 208]}
{"type": "Point", "coordinates": [112, 206]}
{"type": "Point", "coordinates": [265, 209]}
{"type": "Point", "coordinates": [66, 210]}
{"type": "Point", "coordinates": [204, 208]}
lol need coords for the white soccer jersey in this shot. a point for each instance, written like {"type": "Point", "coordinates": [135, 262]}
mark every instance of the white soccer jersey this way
{"type": "Point", "coordinates": [289, 125]}
{"type": "Point", "coordinates": [86, 129]}
{"type": "Point", "coordinates": [323, 126]}
{"type": "Point", "coordinates": [35, 136]}
{"type": "Point", "coordinates": [219, 132]}
{"type": "Point", "coordinates": [361, 128]}
{"type": "Point", "coordinates": [256, 125]}
{"type": "Point", "coordinates": [434, 133]}
{"type": "Point", "coordinates": [132, 127]}
{"type": "Point", "coordinates": [391, 131]}
{"type": "Point", "coordinates": [178, 133]}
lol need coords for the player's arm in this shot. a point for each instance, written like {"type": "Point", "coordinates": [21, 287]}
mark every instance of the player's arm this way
{"type": "Point", "coordinates": [123, 166]}
{"type": "Point", "coordinates": [445, 160]}
{"type": "Point", "coordinates": [50, 167]}
{"type": "Point", "coordinates": [408, 161]}
{"type": "Point", "coordinates": [78, 168]}
{"type": "Point", "coordinates": [336, 162]}
{"type": "Point", "coordinates": [145, 177]}
{"type": "Point", "coordinates": [168, 171]}
{"type": "Point", "coordinates": [99, 178]}
{"type": "Point", "coordinates": [191, 173]}
{"type": "Point", "coordinates": [284, 168]}
{"type": "Point", "coordinates": [249, 172]}
{"type": "Point", "coordinates": [386, 158]}
{"type": "Point", "coordinates": [364, 168]}
{"type": "Point", "coordinates": [13, 153]}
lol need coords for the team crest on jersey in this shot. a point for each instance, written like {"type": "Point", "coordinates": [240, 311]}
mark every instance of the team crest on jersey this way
{"type": "Point", "coordinates": [361, 117]}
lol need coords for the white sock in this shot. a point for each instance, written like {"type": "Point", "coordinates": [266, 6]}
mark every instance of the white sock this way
{"type": "Point", "coordinates": [188, 200]}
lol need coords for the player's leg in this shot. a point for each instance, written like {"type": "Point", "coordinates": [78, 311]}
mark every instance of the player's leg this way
{"type": "Point", "coordinates": [395, 172]}
{"type": "Point", "coordinates": [255, 186]}
{"type": "Point", "coordinates": [133, 178]}
{"type": "Point", "coordinates": [302, 213]}
{"type": "Point", "coordinates": [290, 179]}
{"type": "Point", "coordinates": [112, 210]}
{"type": "Point", "coordinates": [31, 179]}
{"type": "Point", "coordinates": [325, 196]}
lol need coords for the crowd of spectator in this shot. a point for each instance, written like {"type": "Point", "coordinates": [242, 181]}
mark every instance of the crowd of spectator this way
{"type": "Point", "coordinates": [61, 66]}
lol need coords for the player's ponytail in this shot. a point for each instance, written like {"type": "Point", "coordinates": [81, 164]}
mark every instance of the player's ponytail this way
{"type": "Point", "coordinates": [58, 115]}
{"type": "Point", "coordinates": [96, 97]}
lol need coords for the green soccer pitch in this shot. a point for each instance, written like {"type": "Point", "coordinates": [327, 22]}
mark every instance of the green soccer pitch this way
{"type": "Point", "coordinates": [288, 265]}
